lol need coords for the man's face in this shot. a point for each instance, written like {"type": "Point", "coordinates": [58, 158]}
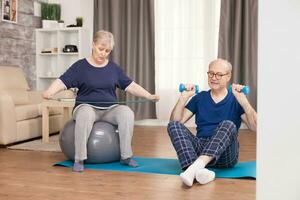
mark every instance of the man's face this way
{"type": "Point", "coordinates": [218, 75]}
{"type": "Point", "coordinates": [101, 52]}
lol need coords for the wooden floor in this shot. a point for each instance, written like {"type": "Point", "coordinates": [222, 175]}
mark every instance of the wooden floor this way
{"type": "Point", "coordinates": [30, 175]}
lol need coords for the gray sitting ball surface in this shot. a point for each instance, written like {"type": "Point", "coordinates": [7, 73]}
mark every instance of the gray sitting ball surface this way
{"type": "Point", "coordinates": [103, 143]}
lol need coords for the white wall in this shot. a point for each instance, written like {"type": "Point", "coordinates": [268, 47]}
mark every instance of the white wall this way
{"type": "Point", "coordinates": [278, 141]}
{"type": "Point", "coordinates": [70, 9]}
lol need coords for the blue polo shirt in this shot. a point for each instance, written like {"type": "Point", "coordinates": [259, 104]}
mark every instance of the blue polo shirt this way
{"type": "Point", "coordinates": [95, 84]}
{"type": "Point", "coordinates": [209, 114]}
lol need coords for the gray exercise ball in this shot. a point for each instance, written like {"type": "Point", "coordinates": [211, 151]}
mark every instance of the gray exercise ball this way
{"type": "Point", "coordinates": [102, 146]}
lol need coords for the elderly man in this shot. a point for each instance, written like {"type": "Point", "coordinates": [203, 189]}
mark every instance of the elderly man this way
{"type": "Point", "coordinates": [218, 115]}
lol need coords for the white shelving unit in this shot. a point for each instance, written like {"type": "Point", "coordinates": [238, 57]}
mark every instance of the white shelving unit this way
{"type": "Point", "coordinates": [49, 66]}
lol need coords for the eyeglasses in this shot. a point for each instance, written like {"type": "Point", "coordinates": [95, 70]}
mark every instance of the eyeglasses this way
{"type": "Point", "coordinates": [217, 75]}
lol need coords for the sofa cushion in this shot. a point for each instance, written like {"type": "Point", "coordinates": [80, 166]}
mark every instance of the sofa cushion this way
{"type": "Point", "coordinates": [19, 96]}
{"type": "Point", "coordinates": [12, 77]}
{"type": "Point", "coordinates": [30, 111]}
{"type": "Point", "coordinates": [24, 112]}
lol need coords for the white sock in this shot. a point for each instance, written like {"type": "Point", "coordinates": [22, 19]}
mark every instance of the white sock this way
{"type": "Point", "coordinates": [189, 174]}
{"type": "Point", "coordinates": [204, 176]}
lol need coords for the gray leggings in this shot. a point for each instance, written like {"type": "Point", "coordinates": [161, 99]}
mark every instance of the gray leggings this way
{"type": "Point", "coordinates": [86, 115]}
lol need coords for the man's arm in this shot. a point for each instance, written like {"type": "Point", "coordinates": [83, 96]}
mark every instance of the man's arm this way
{"type": "Point", "coordinates": [250, 117]}
{"type": "Point", "coordinates": [179, 112]}
{"type": "Point", "coordinates": [250, 114]}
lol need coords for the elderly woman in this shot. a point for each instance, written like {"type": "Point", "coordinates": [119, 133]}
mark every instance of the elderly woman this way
{"type": "Point", "coordinates": [96, 78]}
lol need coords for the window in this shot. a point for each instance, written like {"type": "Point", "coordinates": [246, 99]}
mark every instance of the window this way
{"type": "Point", "coordinates": [186, 40]}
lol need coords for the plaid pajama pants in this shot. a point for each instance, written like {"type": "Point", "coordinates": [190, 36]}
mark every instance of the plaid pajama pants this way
{"type": "Point", "coordinates": [223, 145]}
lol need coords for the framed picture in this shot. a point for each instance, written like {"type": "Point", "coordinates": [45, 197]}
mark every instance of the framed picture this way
{"type": "Point", "coordinates": [9, 11]}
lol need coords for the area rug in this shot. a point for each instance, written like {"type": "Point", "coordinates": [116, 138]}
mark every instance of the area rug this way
{"type": "Point", "coordinates": [170, 166]}
{"type": "Point", "coordinates": [38, 145]}
{"type": "Point", "coordinates": [147, 165]}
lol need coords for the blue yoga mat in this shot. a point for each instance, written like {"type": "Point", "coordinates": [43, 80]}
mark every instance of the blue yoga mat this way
{"type": "Point", "coordinates": [170, 166]}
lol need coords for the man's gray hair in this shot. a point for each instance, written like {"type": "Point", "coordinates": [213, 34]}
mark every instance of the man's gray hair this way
{"type": "Point", "coordinates": [229, 66]}
{"type": "Point", "coordinates": [222, 61]}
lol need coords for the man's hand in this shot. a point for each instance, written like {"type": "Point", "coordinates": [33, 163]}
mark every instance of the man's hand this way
{"type": "Point", "coordinates": [250, 114]}
{"type": "Point", "coordinates": [189, 91]}
{"type": "Point", "coordinates": [240, 96]}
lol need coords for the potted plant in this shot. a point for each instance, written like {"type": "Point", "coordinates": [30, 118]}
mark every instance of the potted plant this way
{"type": "Point", "coordinates": [54, 11]}
{"type": "Point", "coordinates": [50, 14]}
{"type": "Point", "coordinates": [61, 23]}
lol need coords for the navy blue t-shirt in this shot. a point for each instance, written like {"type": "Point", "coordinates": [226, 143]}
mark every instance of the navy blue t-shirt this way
{"type": "Point", "coordinates": [95, 84]}
{"type": "Point", "coordinates": [209, 114]}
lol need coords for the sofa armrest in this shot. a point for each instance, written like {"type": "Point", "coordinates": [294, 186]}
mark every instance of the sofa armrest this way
{"type": "Point", "coordinates": [35, 97]}
{"type": "Point", "coordinates": [8, 122]}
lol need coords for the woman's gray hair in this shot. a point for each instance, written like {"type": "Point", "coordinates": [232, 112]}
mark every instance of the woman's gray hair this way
{"type": "Point", "coordinates": [105, 37]}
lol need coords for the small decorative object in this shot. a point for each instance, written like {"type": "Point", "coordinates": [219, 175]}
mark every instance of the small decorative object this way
{"type": "Point", "coordinates": [50, 50]}
{"type": "Point", "coordinates": [79, 21]}
{"type": "Point", "coordinates": [71, 25]}
{"type": "Point", "coordinates": [9, 11]}
{"type": "Point", "coordinates": [61, 23]}
{"type": "Point", "coordinates": [49, 73]}
{"type": "Point", "coordinates": [46, 50]}
{"type": "Point", "coordinates": [69, 48]}
{"type": "Point", "coordinates": [54, 50]}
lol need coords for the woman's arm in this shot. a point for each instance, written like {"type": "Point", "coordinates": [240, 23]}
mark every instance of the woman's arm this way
{"type": "Point", "coordinates": [55, 87]}
{"type": "Point", "coordinates": [137, 90]}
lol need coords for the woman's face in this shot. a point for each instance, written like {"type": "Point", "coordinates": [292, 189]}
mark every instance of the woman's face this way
{"type": "Point", "coordinates": [101, 52]}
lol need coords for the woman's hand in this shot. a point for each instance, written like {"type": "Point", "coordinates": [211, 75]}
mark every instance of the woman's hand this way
{"type": "Point", "coordinates": [153, 97]}
{"type": "Point", "coordinates": [47, 95]}
{"type": "Point", "coordinates": [137, 90]}
{"type": "Point", "coordinates": [55, 87]}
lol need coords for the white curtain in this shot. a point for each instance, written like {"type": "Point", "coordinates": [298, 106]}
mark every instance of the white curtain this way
{"type": "Point", "coordinates": [186, 40]}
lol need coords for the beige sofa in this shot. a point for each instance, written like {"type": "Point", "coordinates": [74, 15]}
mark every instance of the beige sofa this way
{"type": "Point", "coordinates": [20, 110]}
